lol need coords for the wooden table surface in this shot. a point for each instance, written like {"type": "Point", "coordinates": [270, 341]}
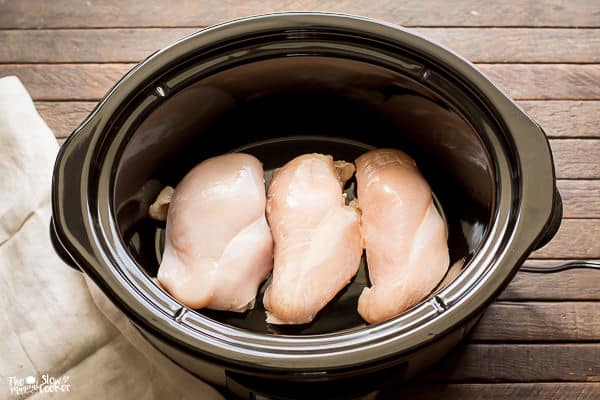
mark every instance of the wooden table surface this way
{"type": "Point", "coordinates": [541, 338]}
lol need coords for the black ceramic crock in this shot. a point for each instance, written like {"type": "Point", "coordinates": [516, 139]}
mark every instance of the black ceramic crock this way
{"type": "Point", "coordinates": [277, 86]}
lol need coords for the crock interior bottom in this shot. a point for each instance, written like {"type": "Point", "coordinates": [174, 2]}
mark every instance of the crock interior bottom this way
{"type": "Point", "coordinates": [279, 108]}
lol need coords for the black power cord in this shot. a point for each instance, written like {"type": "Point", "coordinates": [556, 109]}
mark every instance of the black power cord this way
{"type": "Point", "coordinates": [563, 267]}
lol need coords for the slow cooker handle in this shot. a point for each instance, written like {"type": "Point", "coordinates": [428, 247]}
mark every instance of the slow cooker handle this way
{"type": "Point", "coordinates": [68, 235]}
{"type": "Point", "coordinates": [553, 224]}
{"type": "Point", "coordinates": [60, 249]}
{"type": "Point", "coordinates": [548, 234]}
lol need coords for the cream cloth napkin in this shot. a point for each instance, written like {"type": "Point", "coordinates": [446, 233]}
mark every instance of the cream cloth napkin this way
{"type": "Point", "coordinates": [56, 333]}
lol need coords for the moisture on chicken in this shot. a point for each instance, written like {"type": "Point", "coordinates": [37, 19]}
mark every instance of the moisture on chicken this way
{"type": "Point", "coordinates": [218, 246]}
{"type": "Point", "coordinates": [317, 237]}
{"type": "Point", "coordinates": [404, 235]}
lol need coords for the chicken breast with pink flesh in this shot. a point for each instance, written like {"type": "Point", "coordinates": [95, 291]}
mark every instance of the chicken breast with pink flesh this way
{"type": "Point", "coordinates": [218, 246]}
{"type": "Point", "coordinates": [404, 235]}
{"type": "Point", "coordinates": [316, 236]}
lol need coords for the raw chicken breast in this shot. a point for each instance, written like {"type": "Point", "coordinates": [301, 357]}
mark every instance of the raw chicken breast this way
{"type": "Point", "coordinates": [218, 245]}
{"type": "Point", "coordinates": [317, 238]}
{"type": "Point", "coordinates": [403, 233]}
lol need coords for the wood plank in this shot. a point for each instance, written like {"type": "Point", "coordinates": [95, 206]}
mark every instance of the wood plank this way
{"type": "Point", "coordinates": [581, 199]}
{"type": "Point", "coordinates": [575, 284]}
{"type": "Point", "coordinates": [67, 81]}
{"type": "Point", "coordinates": [576, 158]}
{"type": "Point", "coordinates": [565, 118]}
{"type": "Point", "coordinates": [519, 45]}
{"type": "Point", "coordinates": [521, 81]}
{"type": "Point", "coordinates": [64, 117]}
{"type": "Point", "coordinates": [539, 321]}
{"type": "Point", "coordinates": [519, 363]}
{"type": "Point", "coordinates": [490, 391]}
{"type": "Point", "coordinates": [546, 81]}
{"type": "Point", "coordinates": [132, 45]}
{"type": "Point", "coordinates": [559, 118]}
{"type": "Point", "coordinates": [85, 45]}
{"type": "Point", "coordinates": [114, 13]}
{"type": "Point", "coordinates": [576, 238]}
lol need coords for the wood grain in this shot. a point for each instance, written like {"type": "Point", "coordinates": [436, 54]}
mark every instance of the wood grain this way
{"type": "Point", "coordinates": [560, 119]}
{"type": "Point", "coordinates": [539, 321]}
{"type": "Point", "coordinates": [565, 118]}
{"type": "Point", "coordinates": [581, 199]}
{"type": "Point", "coordinates": [576, 238]}
{"type": "Point", "coordinates": [87, 45]}
{"type": "Point", "coordinates": [67, 81]}
{"type": "Point", "coordinates": [520, 363]}
{"type": "Point", "coordinates": [64, 117]}
{"type": "Point", "coordinates": [499, 45]}
{"type": "Point", "coordinates": [521, 81]}
{"type": "Point", "coordinates": [114, 13]}
{"type": "Point", "coordinates": [546, 81]}
{"type": "Point", "coordinates": [498, 391]}
{"type": "Point", "coordinates": [575, 284]}
{"type": "Point", "coordinates": [490, 45]}
{"type": "Point", "coordinates": [575, 158]}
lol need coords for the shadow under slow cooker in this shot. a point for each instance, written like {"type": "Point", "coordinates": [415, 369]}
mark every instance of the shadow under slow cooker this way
{"type": "Point", "coordinates": [279, 108]}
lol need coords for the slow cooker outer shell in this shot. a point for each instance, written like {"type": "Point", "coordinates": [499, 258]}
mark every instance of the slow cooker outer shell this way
{"type": "Point", "coordinates": [342, 384]}
{"type": "Point", "coordinates": [77, 205]}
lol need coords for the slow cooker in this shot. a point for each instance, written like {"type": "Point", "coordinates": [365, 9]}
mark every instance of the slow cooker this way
{"type": "Point", "coordinates": [277, 86]}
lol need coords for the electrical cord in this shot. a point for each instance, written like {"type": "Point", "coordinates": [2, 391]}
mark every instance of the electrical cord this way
{"type": "Point", "coordinates": [563, 267]}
